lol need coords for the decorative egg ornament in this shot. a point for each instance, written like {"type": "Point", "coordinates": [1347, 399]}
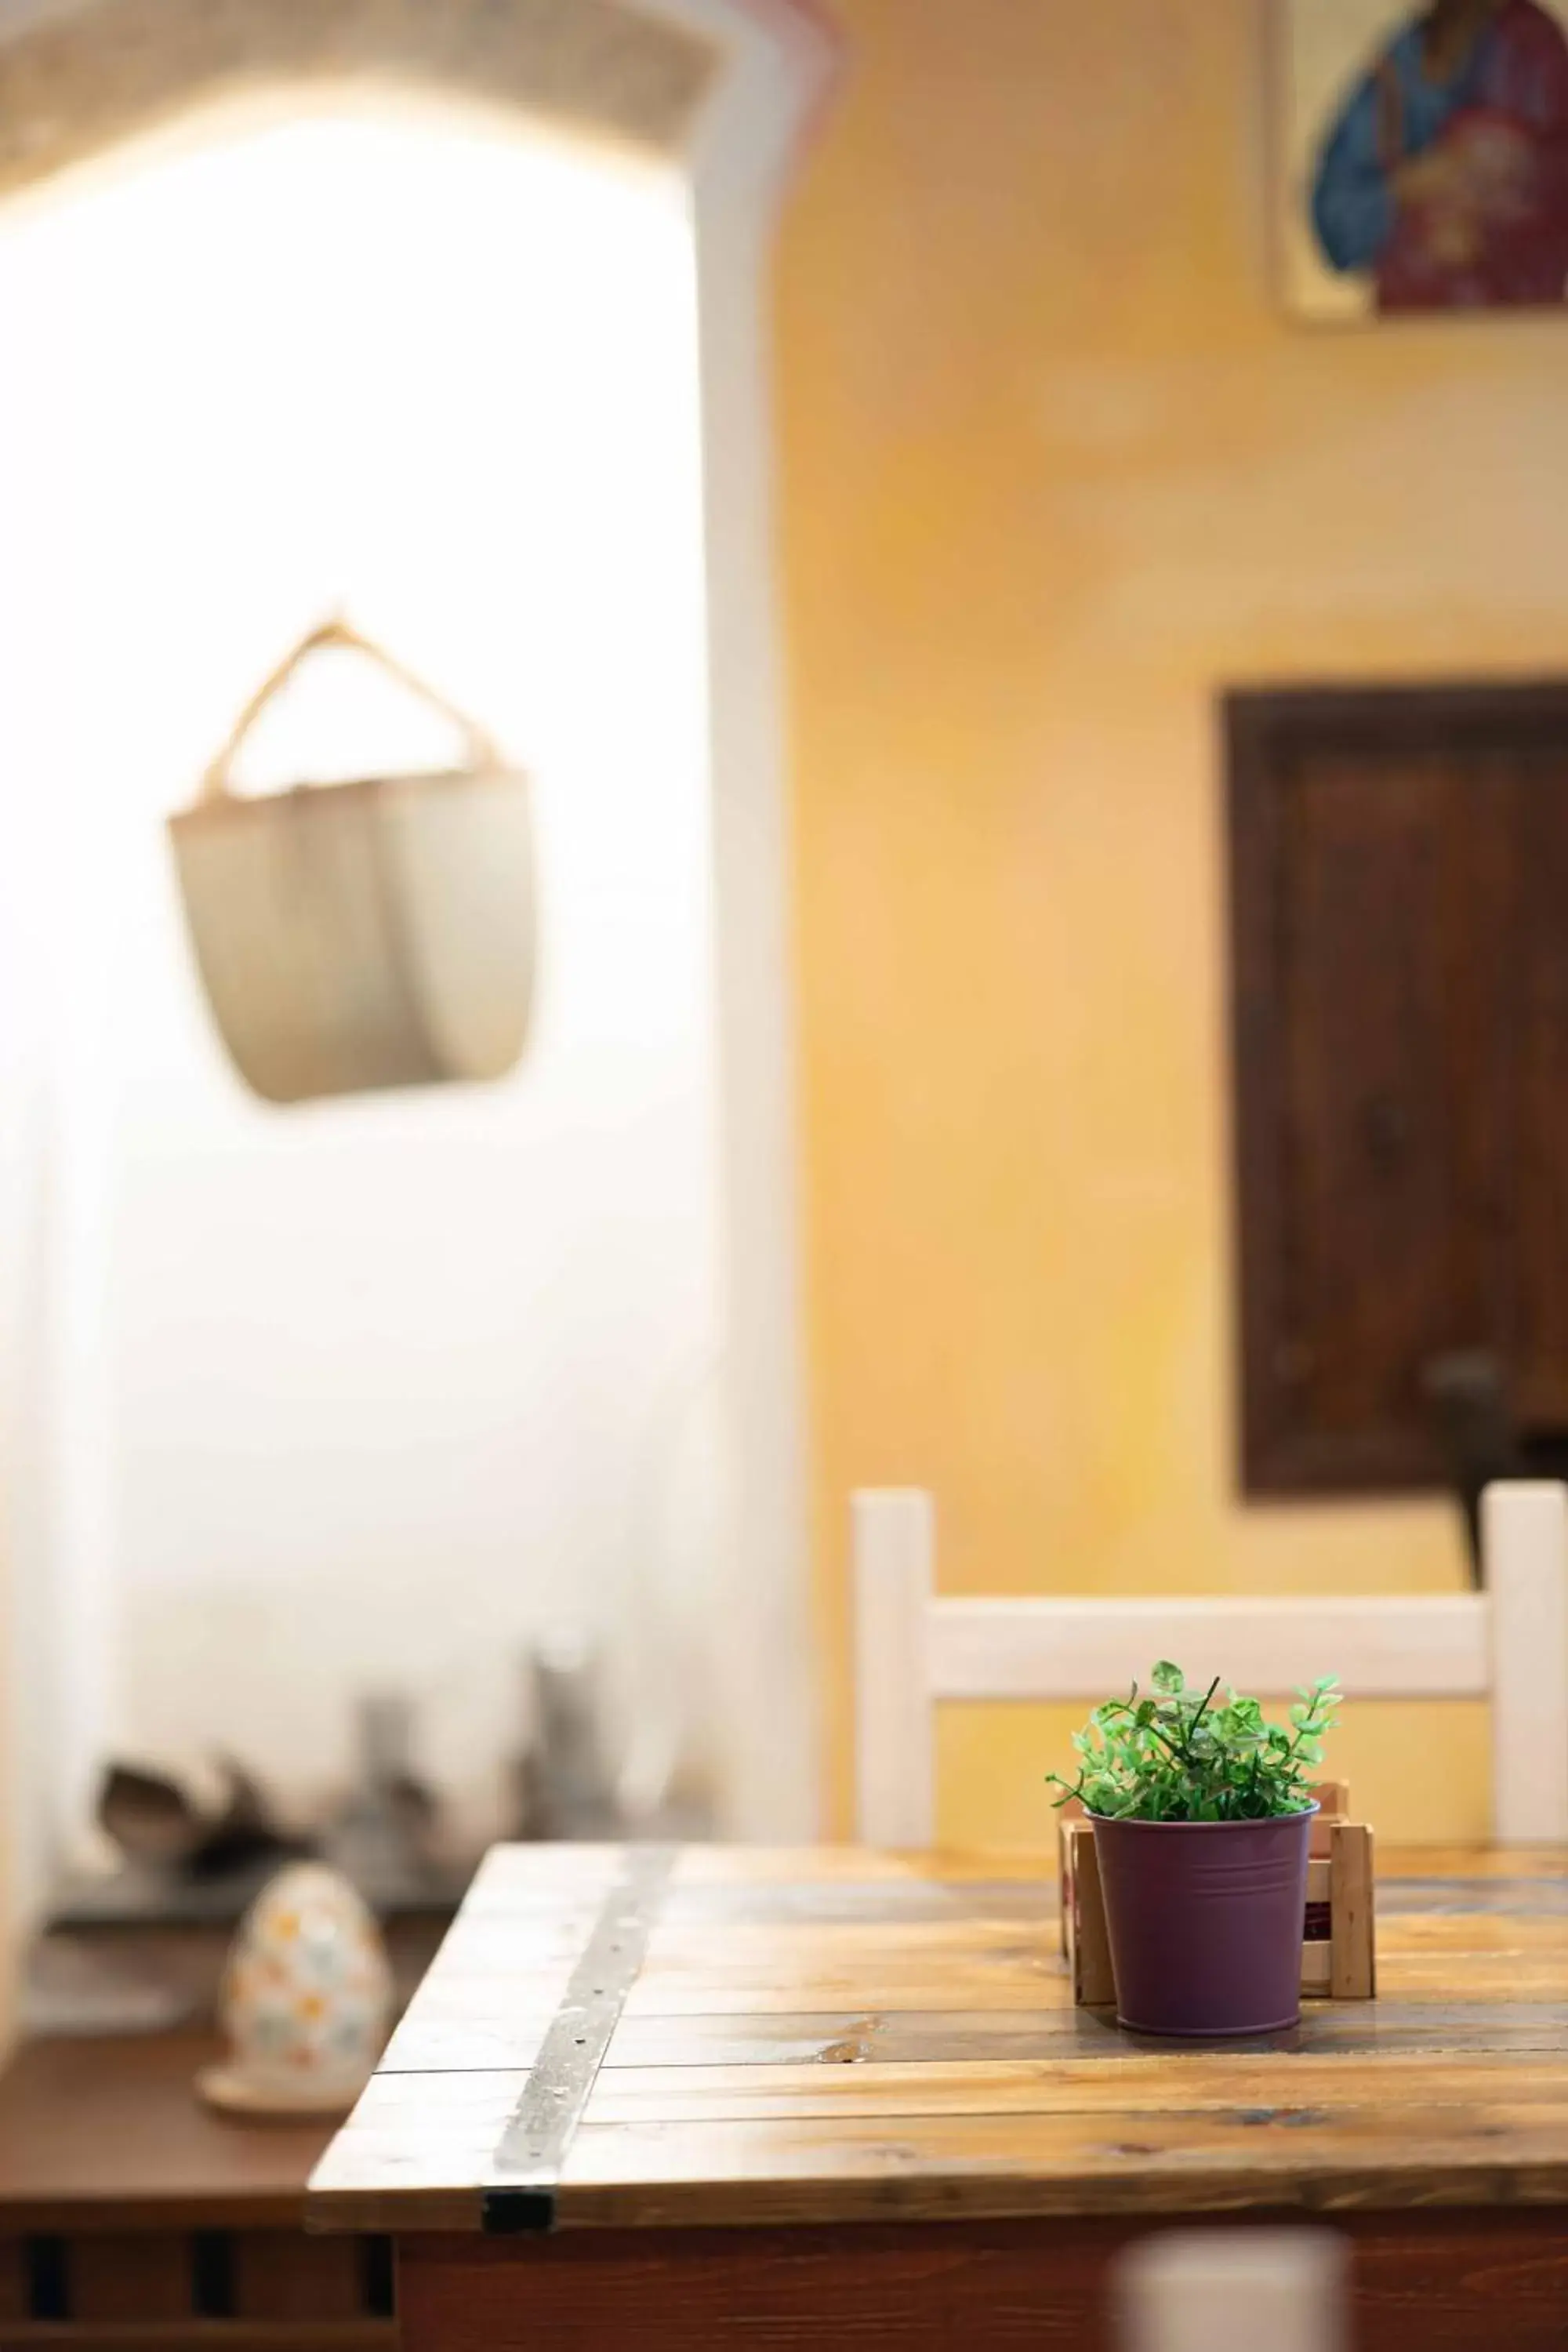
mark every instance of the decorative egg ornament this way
{"type": "Point", "coordinates": [306, 2000]}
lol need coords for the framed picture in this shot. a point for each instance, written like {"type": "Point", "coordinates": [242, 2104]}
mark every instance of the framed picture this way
{"type": "Point", "coordinates": [1423, 161]}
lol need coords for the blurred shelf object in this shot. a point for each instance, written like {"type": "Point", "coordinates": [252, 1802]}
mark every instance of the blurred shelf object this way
{"type": "Point", "coordinates": [198, 1842]}
{"type": "Point", "coordinates": [565, 1785]}
{"type": "Point", "coordinates": [391, 1829]}
{"type": "Point", "coordinates": [146, 1976]}
{"type": "Point", "coordinates": [205, 1817]}
{"type": "Point", "coordinates": [580, 1783]}
{"type": "Point", "coordinates": [137, 1896]}
{"type": "Point", "coordinates": [85, 1985]}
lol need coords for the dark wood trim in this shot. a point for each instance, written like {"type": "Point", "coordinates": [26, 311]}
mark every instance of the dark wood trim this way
{"type": "Point", "coordinates": [1264, 731]}
{"type": "Point", "coordinates": [201, 2335]}
{"type": "Point", "coordinates": [133, 2219]}
{"type": "Point", "coordinates": [1452, 2282]}
{"type": "Point", "coordinates": [1263, 1456]}
{"type": "Point", "coordinates": [1299, 713]}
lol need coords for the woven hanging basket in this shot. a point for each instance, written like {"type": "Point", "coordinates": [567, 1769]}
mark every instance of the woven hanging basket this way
{"type": "Point", "coordinates": [367, 935]}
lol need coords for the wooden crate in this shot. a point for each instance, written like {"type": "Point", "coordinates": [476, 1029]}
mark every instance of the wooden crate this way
{"type": "Point", "coordinates": [1339, 1951]}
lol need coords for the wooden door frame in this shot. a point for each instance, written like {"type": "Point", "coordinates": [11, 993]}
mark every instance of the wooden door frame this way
{"type": "Point", "coordinates": [782, 67]}
{"type": "Point", "coordinates": [1260, 724]}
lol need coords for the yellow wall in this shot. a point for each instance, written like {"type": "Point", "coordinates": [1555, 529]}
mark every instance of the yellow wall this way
{"type": "Point", "coordinates": [1055, 469]}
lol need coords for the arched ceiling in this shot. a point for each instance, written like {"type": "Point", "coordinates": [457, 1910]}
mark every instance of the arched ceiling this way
{"type": "Point", "coordinates": [79, 79]}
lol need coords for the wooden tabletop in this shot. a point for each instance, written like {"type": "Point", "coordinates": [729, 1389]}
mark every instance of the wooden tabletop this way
{"type": "Point", "coordinates": [108, 2133]}
{"type": "Point", "coordinates": [632, 2038]}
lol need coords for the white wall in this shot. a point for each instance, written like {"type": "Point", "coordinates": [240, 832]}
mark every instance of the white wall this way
{"type": "Point", "coordinates": [360, 1395]}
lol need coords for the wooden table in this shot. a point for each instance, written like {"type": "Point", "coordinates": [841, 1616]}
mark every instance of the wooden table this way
{"type": "Point", "coordinates": [133, 2220]}
{"type": "Point", "coordinates": [824, 2098]}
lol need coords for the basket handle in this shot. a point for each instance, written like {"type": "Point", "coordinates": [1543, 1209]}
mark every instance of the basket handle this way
{"type": "Point", "coordinates": [483, 751]}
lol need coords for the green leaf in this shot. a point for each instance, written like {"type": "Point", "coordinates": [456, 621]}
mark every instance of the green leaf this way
{"type": "Point", "coordinates": [1178, 1755]}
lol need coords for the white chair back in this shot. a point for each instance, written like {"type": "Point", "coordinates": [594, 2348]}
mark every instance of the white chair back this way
{"type": "Point", "coordinates": [1508, 1641]}
{"type": "Point", "coordinates": [1191, 2290]}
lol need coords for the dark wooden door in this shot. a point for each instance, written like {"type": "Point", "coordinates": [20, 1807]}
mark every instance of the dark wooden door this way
{"type": "Point", "coordinates": [1400, 908]}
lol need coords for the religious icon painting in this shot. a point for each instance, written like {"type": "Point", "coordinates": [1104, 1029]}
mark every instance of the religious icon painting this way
{"type": "Point", "coordinates": [1424, 156]}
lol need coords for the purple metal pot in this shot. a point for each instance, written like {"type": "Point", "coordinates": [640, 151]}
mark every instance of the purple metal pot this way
{"type": "Point", "coordinates": [1206, 1921]}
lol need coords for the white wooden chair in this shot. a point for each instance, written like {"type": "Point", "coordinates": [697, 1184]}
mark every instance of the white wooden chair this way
{"type": "Point", "coordinates": [1191, 2290]}
{"type": "Point", "coordinates": [1508, 1641]}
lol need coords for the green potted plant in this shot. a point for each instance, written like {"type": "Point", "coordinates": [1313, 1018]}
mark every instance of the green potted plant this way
{"type": "Point", "coordinates": [1202, 1819]}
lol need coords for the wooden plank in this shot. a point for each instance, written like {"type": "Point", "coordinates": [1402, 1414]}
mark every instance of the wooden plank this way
{"type": "Point", "coordinates": [283, 2275]}
{"type": "Point", "coordinates": [14, 2296]}
{"type": "Point", "coordinates": [1066, 1818]}
{"type": "Point", "coordinates": [1524, 1536]}
{"type": "Point", "coordinates": [1438, 1974]}
{"type": "Point", "coordinates": [144, 2275]}
{"type": "Point", "coordinates": [873, 1976]}
{"type": "Point", "coordinates": [1480, 1947]}
{"type": "Point", "coordinates": [872, 1902]}
{"type": "Point", "coordinates": [417, 2152]}
{"type": "Point", "coordinates": [1471, 1863]}
{"type": "Point", "coordinates": [1525, 1899]}
{"type": "Point", "coordinates": [1384, 2154]}
{"type": "Point", "coordinates": [884, 1979]}
{"type": "Point", "coordinates": [549, 1870]}
{"type": "Point", "coordinates": [1317, 1971]}
{"type": "Point", "coordinates": [1439, 2027]}
{"type": "Point", "coordinates": [1016, 1987]}
{"type": "Point", "coordinates": [1168, 2082]}
{"type": "Point", "coordinates": [894, 1550]}
{"type": "Point", "coordinates": [1423, 2283]}
{"type": "Point", "coordinates": [846, 2039]}
{"type": "Point", "coordinates": [738, 1866]}
{"type": "Point", "coordinates": [791, 1944]}
{"type": "Point", "coordinates": [477, 1947]}
{"type": "Point", "coordinates": [733, 1867]}
{"type": "Point", "coordinates": [1413, 1646]}
{"type": "Point", "coordinates": [1089, 1940]}
{"type": "Point", "coordinates": [455, 2027]}
{"type": "Point", "coordinates": [1351, 1944]}
{"type": "Point", "coordinates": [205, 2336]}
{"type": "Point", "coordinates": [1480, 1935]}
